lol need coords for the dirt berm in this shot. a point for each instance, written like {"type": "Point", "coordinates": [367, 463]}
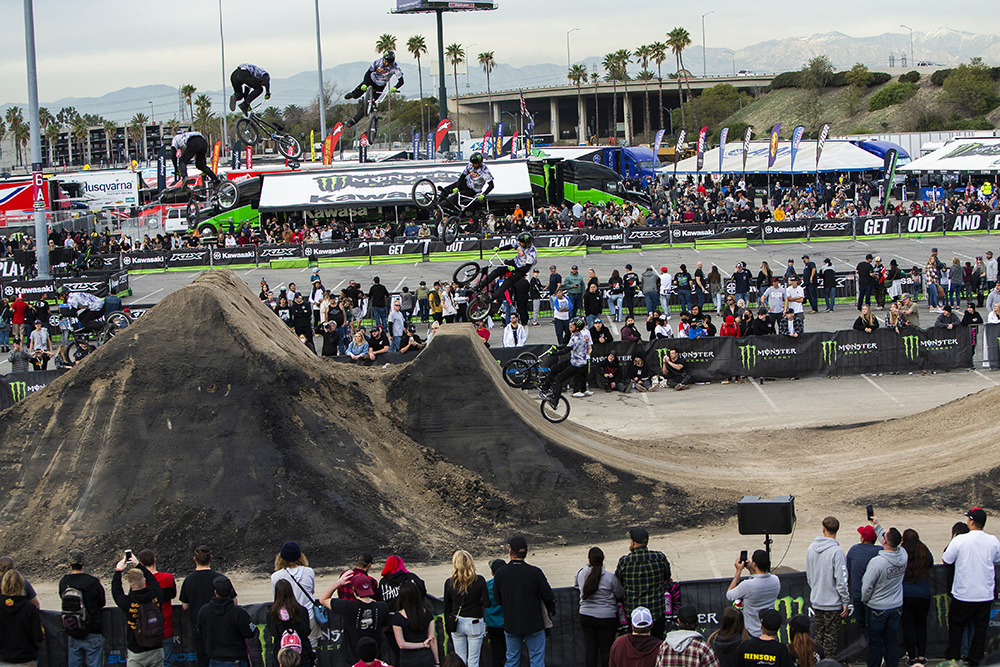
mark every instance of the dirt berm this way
{"type": "Point", "coordinates": [208, 422]}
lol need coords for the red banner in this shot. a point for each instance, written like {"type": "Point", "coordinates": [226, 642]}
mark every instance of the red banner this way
{"type": "Point", "coordinates": [701, 147]}
{"type": "Point", "coordinates": [249, 157]}
{"type": "Point", "coordinates": [513, 145]}
{"type": "Point", "coordinates": [486, 140]}
{"type": "Point", "coordinates": [442, 131]}
{"type": "Point", "coordinates": [215, 156]}
{"type": "Point", "coordinates": [338, 129]}
{"type": "Point", "coordinates": [328, 149]}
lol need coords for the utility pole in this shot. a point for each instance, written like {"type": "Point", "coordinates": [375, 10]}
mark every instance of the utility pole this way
{"type": "Point", "coordinates": [322, 92]}
{"type": "Point", "coordinates": [704, 57]}
{"type": "Point", "coordinates": [37, 180]}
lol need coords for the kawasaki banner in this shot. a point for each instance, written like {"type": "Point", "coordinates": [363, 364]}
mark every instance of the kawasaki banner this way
{"type": "Point", "coordinates": [189, 259]}
{"type": "Point", "coordinates": [750, 229]}
{"type": "Point", "coordinates": [240, 257]}
{"type": "Point", "coordinates": [650, 236]}
{"type": "Point", "coordinates": [144, 261]}
{"type": "Point", "coordinates": [685, 234]}
{"type": "Point", "coordinates": [786, 231]}
{"type": "Point", "coordinates": [874, 228]}
{"type": "Point", "coordinates": [832, 229]}
{"type": "Point", "coordinates": [266, 253]}
{"type": "Point", "coordinates": [597, 238]}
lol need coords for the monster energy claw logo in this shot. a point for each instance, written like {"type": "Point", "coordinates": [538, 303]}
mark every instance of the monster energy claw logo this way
{"type": "Point", "coordinates": [911, 346]}
{"type": "Point", "coordinates": [748, 356]}
{"type": "Point", "coordinates": [829, 352]}
{"type": "Point", "coordinates": [19, 390]}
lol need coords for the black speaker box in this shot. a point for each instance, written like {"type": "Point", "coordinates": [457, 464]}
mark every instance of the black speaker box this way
{"type": "Point", "coordinates": [760, 516]}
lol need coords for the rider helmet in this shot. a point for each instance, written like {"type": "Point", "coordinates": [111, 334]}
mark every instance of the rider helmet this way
{"type": "Point", "coordinates": [524, 238]}
{"type": "Point", "coordinates": [580, 323]}
{"type": "Point", "coordinates": [476, 158]}
{"type": "Point", "coordinates": [64, 291]}
{"type": "Point", "coordinates": [389, 57]}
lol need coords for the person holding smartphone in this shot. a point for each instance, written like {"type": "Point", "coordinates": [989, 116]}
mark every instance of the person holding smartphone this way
{"type": "Point", "coordinates": [758, 592]}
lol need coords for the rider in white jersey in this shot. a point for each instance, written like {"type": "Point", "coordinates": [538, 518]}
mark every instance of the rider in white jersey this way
{"type": "Point", "coordinates": [475, 181]}
{"type": "Point", "coordinates": [378, 76]}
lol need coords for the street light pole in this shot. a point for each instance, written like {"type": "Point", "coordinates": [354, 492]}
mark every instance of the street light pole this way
{"type": "Point", "coordinates": [704, 57]}
{"type": "Point", "coordinates": [912, 63]}
{"type": "Point", "coordinates": [733, 54]}
{"type": "Point", "coordinates": [567, 48]}
{"type": "Point", "coordinates": [319, 67]}
{"type": "Point", "coordinates": [152, 116]}
{"type": "Point", "coordinates": [225, 103]}
{"type": "Point", "coordinates": [38, 182]}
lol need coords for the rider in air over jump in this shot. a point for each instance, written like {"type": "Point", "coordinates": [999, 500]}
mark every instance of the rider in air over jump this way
{"type": "Point", "coordinates": [185, 147]}
{"type": "Point", "coordinates": [249, 81]}
{"type": "Point", "coordinates": [377, 76]}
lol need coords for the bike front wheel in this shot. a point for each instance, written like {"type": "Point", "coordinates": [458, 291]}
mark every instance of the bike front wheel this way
{"type": "Point", "coordinates": [516, 372]}
{"type": "Point", "coordinates": [247, 131]}
{"type": "Point", "coordinates": [466, 273]}
{"type": "Point", "coordinates": [79, 349]}
{"type": "Point", "coordinates": [424, 194]}
{"type": "Point", "coordinates": [227, 195]}
{"type": "Point", "coordinates": [555, 413]}
{"type": "Point", "coordinates": [288, 146]}
{"type": "Point", "coordinates": [479, 307]}
{"type": "Point", "coordinates": [450, 232]}
{"type": "Point", "coordinates": [118, 319]}
{"type": "Point", "coordinates": [192, 214]}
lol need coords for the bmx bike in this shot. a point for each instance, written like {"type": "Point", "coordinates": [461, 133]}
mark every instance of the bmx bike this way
{"type": "Point", "coordinates": [253, 128]}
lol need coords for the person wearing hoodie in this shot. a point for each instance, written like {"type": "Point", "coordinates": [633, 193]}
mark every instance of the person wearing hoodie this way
{"type": "Point", "coordinates": [638, 648]}
{"type": "Point", "coordinates": [826, 574]}
{"type": "Point", "coordinates": [758, 592]}
{"type": "Point", "coordinates": [858, 557]}
{"type": "Point", "coordinates": [650, 288]}
{"type": "Point", "coordinates": [685, 647]}
{"type": "Point", "coordinates": [727, 639]}
{"type": "Point", "coordinates": [225, 627]}
{"type": "Point", "coordinates": [882, 593]}
{"type": "Point", "coordinates": [143, 588]}
{"type": "Point", "coordinates": [20, 623]}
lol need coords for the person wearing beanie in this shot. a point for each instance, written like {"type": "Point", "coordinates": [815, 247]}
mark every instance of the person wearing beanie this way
{"type": "Point", "coordinates": [766, 650]}
{"type": "Point", "coordinates": [292, 565]}
{"type": "Point", "coordinates": [858, 557]}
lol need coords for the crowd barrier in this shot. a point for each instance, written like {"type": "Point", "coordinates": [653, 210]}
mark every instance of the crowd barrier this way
{"type": "Point", "coordinates": [564, 646]}
{"type": "Point", "coordinates": [100, 283]}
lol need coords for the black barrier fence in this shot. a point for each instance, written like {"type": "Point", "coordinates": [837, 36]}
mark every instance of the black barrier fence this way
{"type": "Point", "coordinates": [16, 387]}
{"type": "Point", "coordinates": [99, 284]}
{"type": "Point", "coordinates": [564, 644]}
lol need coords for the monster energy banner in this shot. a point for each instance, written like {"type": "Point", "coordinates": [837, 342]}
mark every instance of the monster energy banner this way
{"type": "Point", "coordinates": [564, 643]}
{"type": "Point", "coordinates": [18, 386]}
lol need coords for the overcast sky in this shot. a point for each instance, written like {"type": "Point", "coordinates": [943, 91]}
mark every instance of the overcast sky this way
{"type": "Point", "coordinates": [95, 47]}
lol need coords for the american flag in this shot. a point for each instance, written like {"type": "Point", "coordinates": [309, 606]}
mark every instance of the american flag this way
{"type": "Point", "coordinates": [524, 107]}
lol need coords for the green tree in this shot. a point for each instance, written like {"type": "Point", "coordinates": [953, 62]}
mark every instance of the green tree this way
{"type": "Point", "coordinates": [810, 111]}
{"type": "Point", "coordinates": [188, 91]}
{"type": "Point", "coordinates": [578, 76]}
{"type": "Point", "coordinates": [610, 64]}
{"type": "Point", "coordinates": [137, 130]}
{"type": "Point", "coordinates": [817, 72]}
{"type": "Point", "coordinates": [970, 89]}
{"type": "Point", "coordinates": [417, 46]}
{"type": "Point", "coordinates": [15, 119]}
{"type": "Point", "coordinates": [456, 56]}
{"type": "Point", "coordinates": [80, 132]}
{"type": "Point", "coordinates": [658, 52]}
{"type": "Point", "coordinates": [642, 55]}
{"type": "Point", "coordinates": [67, 116]}
{"type": "Point", "coordinates": [21, 136]}
{"type": "Point", "coordinates": [488, 63]}
{"type": "Point", "coordinates": [385, 42]}
{"type": "Point", "coordinates": [51, 133]}
{"type": "Point", "coordinates": [679, 39]}
{"type": "Point", "coordinates": [858, 78]}
{"type": "Point", "coordinates": [718, 103]}
{"type": "Point", "coordinates": [109, 131]}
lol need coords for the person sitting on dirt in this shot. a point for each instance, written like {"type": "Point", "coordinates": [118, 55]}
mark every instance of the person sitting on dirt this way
{"type": "Point", "coordinates": [377, 76]}
{"type": "Point", "coordinates": [249, 81]}
{"type": "Point", "coordinates": [474, 181]}
{"type": "Point", "coordinates": [610, 373]}
{"type": "Point", "coordinates": [87, 308]}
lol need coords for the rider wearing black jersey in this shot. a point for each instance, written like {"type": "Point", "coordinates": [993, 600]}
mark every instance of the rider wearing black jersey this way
{"type": "Point", "coordinates": [188, 145]}
{"type": "Point", "coordinates": [475, 181]}
{"type": "Point", "coordinates": [377, 76]}
{"type": "Point", "coordinates": [249, 81]}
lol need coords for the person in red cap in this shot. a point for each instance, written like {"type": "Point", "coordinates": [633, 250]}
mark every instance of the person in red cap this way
{"type": "Point", "coordinates": [362, 617]}
{"type": "Point", "coordinates": [974, 556]}
{"type": "Point", "coordinates": [858, 557]}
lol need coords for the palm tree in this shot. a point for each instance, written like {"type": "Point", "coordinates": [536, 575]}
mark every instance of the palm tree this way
{"type": "Point", "coordinates": [658, 53]}
{"type": "Point", "coordinates": [610, 64]}
{"type": "Point", "coordinates": [188, 91]}
{"type": "Point", "coordinates": [456, 56]}
{"type": "Point", "coordinates": [488, 63]}
{"type": "Point", "coordinates": [15, 119]}
{"type": "Point", "coordinates": [622, 56]}
{"type": "Point", "coordinates": [109, 132]}
{"type": "Point", "coordinates": [45, 118]}
{"type": "Point", "coordinates": [417, 47]}
{"type": "Point", "coordinates": [3, 133]}
{"type": "Point", "coordinates": [642, 56]}
{"type": "Point", "coordinates": [79, 132]}
{"type": "Point", "coordinates": [51, 132]}
{"type": "Point", "coordinates": [679, 39]}
{"type": "Point", "coordinates": [385, 42]}
{"type": "Point", "coordinates": [137, 129]}
{"type": "Point", "coordinates": [578, 75]}
{"type": "Point", "coordinates": [595, 77]}
{"type": "Point", "coordinates": [21, 136]}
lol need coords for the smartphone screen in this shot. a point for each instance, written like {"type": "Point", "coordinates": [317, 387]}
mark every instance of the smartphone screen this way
{"type": "Point", "coordinates": [871, 511]}
{"type": "Point", "coordinates": [743, 556]}
{"type": "Point", "coordinates": [128, 554]}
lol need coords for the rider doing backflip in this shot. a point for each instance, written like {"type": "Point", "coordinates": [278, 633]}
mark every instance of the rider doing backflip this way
{"type": "Point", "coordinates": [377, 76]}
{"type": "Point", "coordinates": [249, 81]}
{"type": "Point", "coordinates": [188, 145]}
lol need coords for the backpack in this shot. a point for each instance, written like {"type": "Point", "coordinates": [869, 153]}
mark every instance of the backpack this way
{"type": "Point", "coordinates": [74, 613]}
{"type": "Point", "coordinates": [148, 631]}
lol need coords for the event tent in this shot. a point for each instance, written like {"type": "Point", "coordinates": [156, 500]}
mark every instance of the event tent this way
{"type": "Point", "coordinates": [837, 156]}
{"type": "Point", "coordinates": [976, 155]}
{"type": "Point", "coordinates": [388, 184]}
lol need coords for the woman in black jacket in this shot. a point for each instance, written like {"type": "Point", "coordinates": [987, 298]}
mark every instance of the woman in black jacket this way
{"type": "Point", "coordinates": [287, 615]}
{"type": "Point", "coordinates": [20, 624]}
{"type": "Point", "coordinates": [866, 321]}
{"type": "Point", "coordinates": [593, 304]}
{"type": "Point", "coordinates": [465, 601]}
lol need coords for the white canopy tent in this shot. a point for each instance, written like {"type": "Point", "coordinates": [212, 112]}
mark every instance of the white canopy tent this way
{"type": "Point", "coordinates": [389, 184]}
{"type": "Point", "coordinates": [979, 155]}
{"type": "Point", "coordinates": [837, 156]}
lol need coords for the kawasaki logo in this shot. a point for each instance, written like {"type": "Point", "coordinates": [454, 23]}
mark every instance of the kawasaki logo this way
{"type": "Point", "coordinates": [8, 290]}
{"type": "Point", "coordinates": [767, 230]}
{"type": "Point", "coordinates": [676, 232]}
{"type": "Point", "coordinates": [829, 352]}
{"type": "Point", "coordinates": [217, 254]}
{"type": "Point", "coordinates": [911, 346]}
{"type": "Point", "coordinates": [309, 250]}
{"type": "Point", "coordinates": [748, 356]}
{"type": "Point", "coordinates": [19, 390]}
{"type": "Point", "coordinates": [126, 260]}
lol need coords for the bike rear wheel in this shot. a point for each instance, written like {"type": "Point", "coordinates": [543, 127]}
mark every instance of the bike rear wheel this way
{"type": "Point", "coordinates": [450, 232]}
{"type": "Point", "coordinates": [192, 213]}
{"type": "Point", "coordinates": [247, 131]}
{"type": "Point", "coordinates": [424, 194]}
{"type": "Point", "coordinates": [227, 195]}
{"type": "Point", "coordinates": [79, 349]}
{"type": "Point", "coordinates": [479, 307]}
{"type": "Point", "coordinates": [516, 372]}
{"type": "Point", "coordinates": [530, 357]}
{"type": "Point", "coordinates": [118, 319]}
{"type": "Point", "coordinates": [466, 273]}
{"type": "Point", "coordinates": [557, 413]}
{"type": "Point", "coordinates": [288, 146]}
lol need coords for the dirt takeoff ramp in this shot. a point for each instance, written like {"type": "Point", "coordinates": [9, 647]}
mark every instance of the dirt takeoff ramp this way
{"type": "Point", "coordinates": [208, 422]}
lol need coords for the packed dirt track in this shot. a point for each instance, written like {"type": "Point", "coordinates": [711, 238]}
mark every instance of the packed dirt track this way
{"type": "Point", "coordinates": [207, 421]}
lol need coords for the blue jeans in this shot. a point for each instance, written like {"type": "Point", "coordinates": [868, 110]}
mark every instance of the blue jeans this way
{"type": "Point", "coordinates": [5, 334]}
{"type": "Point", "coordinates": [652, 300]}
{"type": "Point", "coordinates": [699, 298]}
{"type": "Point", "coordinates": [615, 304]}
{"type": "Point", "coordinates": [883, 640]}
{"type": "Point", "coordinates": [591, 319]}
{"type": "Point", "coordinates": [861, 616]}
{"type": "Point", "coordinates": [424, 309]}
{"type": "Point", "coordinates": [932, 295]}
{"type": "Point", "coordinates": [168, 651]}
{"type": "Point", "coordinates": [955, 295]}
{"type": "Point", "coordinates": [85, 652]}
{"type": "Point", "coordinates": [865, 294]}
{"type": "Point", "coordinates": [746, 298]}
{"type": "Point", "coordinates": [684, 296]}
{"type": "Point", "coordinates": [812, 295]}
{"type": "Point", "coordinates": [380, 315]}
{"type": "Point", "coordinates": [831, 297]}
{"type": "Point", "coordinates": [562, 331]}
{"type": "Point", "coordinates": [394, 343]}
{"type": "Point", "coordinates": [535, 644]}
{"type": "Point", "coordinates": [228, 663]}
{"type": "Point", "coordinates": [574, 300]}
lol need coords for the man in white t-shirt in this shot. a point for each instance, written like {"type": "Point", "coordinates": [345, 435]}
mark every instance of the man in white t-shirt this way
{"type": "Point", "coordinates": [666, 288]}
{"type": "Point", "coordinates": [758, 592]}
{"type": "Point", "coordinates": [973, 555]}
{"type": "Point", "coordinates": [795, 298]}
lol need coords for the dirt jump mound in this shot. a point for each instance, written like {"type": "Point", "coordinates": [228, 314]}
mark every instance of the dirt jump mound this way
{"type": "Point", "coordinates": [207, 421]}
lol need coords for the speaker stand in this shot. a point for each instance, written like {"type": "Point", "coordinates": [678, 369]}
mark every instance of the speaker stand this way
{"type": "Point", "coordinates": [767, 544]}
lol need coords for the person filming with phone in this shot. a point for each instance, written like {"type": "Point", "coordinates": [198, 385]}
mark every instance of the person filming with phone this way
{"type": "Point", "coordinates": [758, 592]}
